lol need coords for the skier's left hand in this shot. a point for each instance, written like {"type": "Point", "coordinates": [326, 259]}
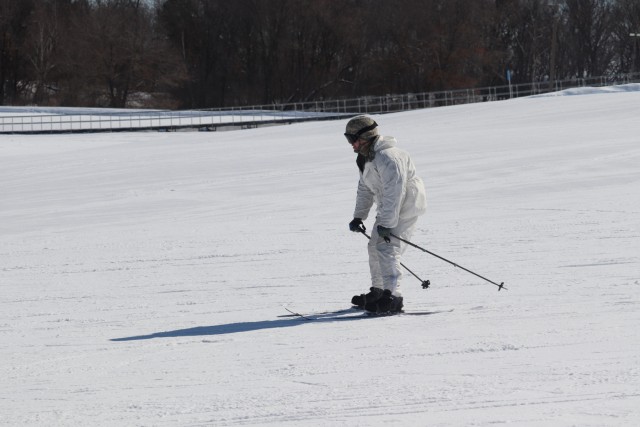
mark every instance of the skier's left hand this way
{"type": "Point", "coordinates": [385, 233]}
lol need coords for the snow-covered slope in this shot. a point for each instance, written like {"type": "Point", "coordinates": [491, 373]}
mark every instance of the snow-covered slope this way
{"type": "Point", "coordinates": [143, 275]}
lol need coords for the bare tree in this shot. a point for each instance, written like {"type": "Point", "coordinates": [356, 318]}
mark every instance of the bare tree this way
{"type": "Point", "coordinates": [626, 18]}
{"type": "Point", "coordinates": [590, 36]}
{"type": "Point", "coordinates": [119, 53]}
{"type": "Point", "coordinates": [41, 47]}
{"type": "Point", "coordinates": [206, 53]}
{"type": "Point", "coordinates": [13, 16]}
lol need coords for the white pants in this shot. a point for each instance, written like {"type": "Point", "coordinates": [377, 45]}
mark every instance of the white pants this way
{"type": "Point", "coordinates": [385, 258]}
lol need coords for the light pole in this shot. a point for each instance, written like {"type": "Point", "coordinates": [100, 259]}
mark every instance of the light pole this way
{"type": "Point", "coordinates": [635, 50]}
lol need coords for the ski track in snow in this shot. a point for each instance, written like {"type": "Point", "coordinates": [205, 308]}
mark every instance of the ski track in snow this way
{"type": "Point", "coordinates": [143, 275]}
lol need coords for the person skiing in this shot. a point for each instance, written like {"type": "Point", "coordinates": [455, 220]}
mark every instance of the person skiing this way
{"type": "Point", "coordinates": [388, 179]}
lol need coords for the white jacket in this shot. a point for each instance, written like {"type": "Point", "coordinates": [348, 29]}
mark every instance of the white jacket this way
{"type": "Point", "coordinates": [390, 181]}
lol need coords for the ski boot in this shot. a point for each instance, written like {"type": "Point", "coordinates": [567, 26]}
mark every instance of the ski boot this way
{"type": "Point", "coordinates": [363, 299]}
{"type": "Point", "coordinates": [386, 304]}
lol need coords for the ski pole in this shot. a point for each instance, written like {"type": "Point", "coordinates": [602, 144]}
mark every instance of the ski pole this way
{"type": "Point", "coordinates": [425, 283]}
{"type": "Point", "coordinates": [500, 286]}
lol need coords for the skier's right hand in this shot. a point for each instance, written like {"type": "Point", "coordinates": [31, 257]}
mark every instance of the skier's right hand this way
{"type": "Point", "coordinates": [357, 226]}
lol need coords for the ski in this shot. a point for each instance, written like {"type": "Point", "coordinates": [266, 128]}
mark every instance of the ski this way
{"type": "Point", "coordinates": [354, 313]}
{"type": "Point", "coordinates": [294, 314]}
{"type": "Point", "coordinates": [322, 313]}
{"type": "Point", "coordinates": [409, 313]}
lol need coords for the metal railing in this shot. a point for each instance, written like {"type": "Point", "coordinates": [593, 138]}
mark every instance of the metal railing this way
{"type": "Point", "coordinates": [104, 120]}
{"type": "Point", "coordinates": [97, 120]}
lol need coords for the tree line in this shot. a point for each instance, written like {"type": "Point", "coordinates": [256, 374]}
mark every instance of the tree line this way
{"type": "Point", "coordinates": [217, 53]}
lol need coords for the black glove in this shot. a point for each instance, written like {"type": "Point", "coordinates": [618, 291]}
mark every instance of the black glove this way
{"type": "Point", "coordinates": [385, 233]}
{"type": "Point", "coordinates": [357, 226]}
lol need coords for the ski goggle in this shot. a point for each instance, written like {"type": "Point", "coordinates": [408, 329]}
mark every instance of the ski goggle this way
{"type": "Point", "coordinates": [353, 137]}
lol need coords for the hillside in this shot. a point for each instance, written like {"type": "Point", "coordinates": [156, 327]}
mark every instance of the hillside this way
{"type": "Point", "coordinates": [144, 274]}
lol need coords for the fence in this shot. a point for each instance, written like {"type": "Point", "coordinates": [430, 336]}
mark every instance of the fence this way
{"type": "Point", "coordinates": [97, 120]}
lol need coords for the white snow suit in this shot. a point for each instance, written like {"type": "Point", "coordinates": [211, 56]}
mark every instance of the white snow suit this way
{"type": "Point", "coordinates": [388, 179]}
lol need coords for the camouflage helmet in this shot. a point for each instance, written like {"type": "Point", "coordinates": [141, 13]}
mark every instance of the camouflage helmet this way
{"type": "Point", "coordinates": [361, 127]}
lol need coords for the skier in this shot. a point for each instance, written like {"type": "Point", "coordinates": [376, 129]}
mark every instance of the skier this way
{"type": "Point", "coordinates": [388, 179]}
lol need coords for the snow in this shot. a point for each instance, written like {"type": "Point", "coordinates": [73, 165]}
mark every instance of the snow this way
{"type": "Point", "coordinates": [629, 87]}
{"type": "Point", "coordinates": [144, 274]}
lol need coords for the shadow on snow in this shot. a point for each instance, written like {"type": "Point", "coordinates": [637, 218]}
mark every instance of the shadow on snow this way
{"type": "Point", "coordinates": [230, 328]}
